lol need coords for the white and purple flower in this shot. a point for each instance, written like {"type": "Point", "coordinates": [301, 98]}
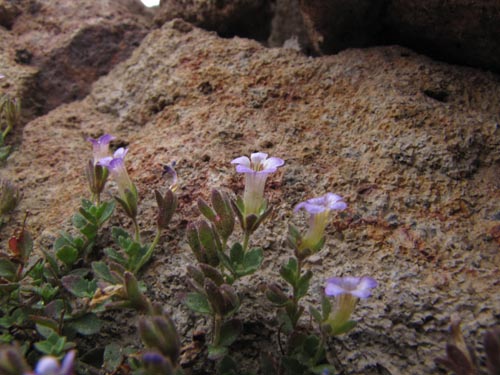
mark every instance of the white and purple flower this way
{"type": "Point", "coordinates": [49, 365]}
{"type": "Point", "coordinates": [347, 291]}
{"type": "Point", "coordinates": [101, 147]}
{"type": "Point", "coordinates": [319, 209]}
{"type": "Point", "coordinates": [359, 287]}
{"type": "Point", "coordinates": [256, 170]}
{"type": "Point", "coordinates": [116, 166]}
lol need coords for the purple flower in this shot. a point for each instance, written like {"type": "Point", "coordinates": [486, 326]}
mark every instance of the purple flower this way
{"type": "Point", "coordinates": [49, 365]}
{"type": "Point", "coordinates": [2, 76]}
{"type": "Point", "coordinates": [116, 166]}
{"type": "Point", "coordinates": [101, 147]}
{"type": "Point", "coordinates": [256, 170]}
{"type": "Point", "coordinates": [359, 287]}
{"type": "Point", "coordinates": [318, 208]}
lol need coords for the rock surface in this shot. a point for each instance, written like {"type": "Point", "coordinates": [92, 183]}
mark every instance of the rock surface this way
{"type": "Point", "coordinates": [413, 145]}
{"type": "Point", "coordinates": [70, 43]}
{"type": "Point", "coordinates": [463, 32]}
{"type": "Point", "coordinates": [245, 18]}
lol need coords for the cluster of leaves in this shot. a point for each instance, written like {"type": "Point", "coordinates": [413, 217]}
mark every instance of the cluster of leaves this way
{"type": "Point", "coordinates": [219, 266]}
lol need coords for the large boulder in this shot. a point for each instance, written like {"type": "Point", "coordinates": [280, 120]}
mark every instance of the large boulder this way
{"type": "Point", "coordinates": [412, 145]}
{"type": "Point", "coordinates": [463, 31]}
{"type": "Point", "coordinates": [71, 43]}
{"type": "Point", "coordinates": [244, 18]}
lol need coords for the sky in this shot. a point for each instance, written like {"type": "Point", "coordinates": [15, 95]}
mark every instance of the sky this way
{"type": "Point", "coordinates": [151, 3]}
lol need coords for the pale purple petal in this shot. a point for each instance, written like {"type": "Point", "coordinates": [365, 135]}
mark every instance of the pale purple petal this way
{"type": "Point", "coordinates": [68, 363]}
{"type": "Point", "coordinates": [357, 286]}
{"type": "Point", "coordinates": [2, 76]}
{"type": "Point", "coordinates": [258, 157]}
{"type": "Point", "coordinates": [273, 163]}
{"type": "Point", "coordinates": [244, 169]}
{"type": "Point", "coordinates": [47, 366]}
{"type": "Point", "coordinates": [120, 153]}
{"type": "Point", "coordinates": [102, 140]}
{"type": "Point", "coordinates": [105, 161]}
{"type": "Point", "coordinates": [242, 160]}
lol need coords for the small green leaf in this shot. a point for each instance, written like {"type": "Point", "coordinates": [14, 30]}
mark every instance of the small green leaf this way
{"type": "Point", "coordinates": [115, 256]}
{"type": "Point", "coordinates": [316, 314]}
{"type": "Point", "coordinates": [8, 269]}
{"type": "Point", "coordinates": [236, 254]}
{"type": "Point", "coordinates": [102, 272]}
{"type": "Point", "coordinates": [198, 303]}
{"type": "Point", "coordinates": [86, 325]}
{"type": "Point", "coordinates": [67, 254]}
{"type": "Point", "coordinates": [303, 284]}
{"type": "Point", "coordinates": [326, 307]}
{"type": "Point", "coordinates": [290, 272]}
{"type": "Point", "coordinates": [230, 331]}
{"type": "Point", "coordinates": [79, 286]}
{"type": "Point", "coordinates": [113, 357]}
{"type": "Point", "coordinates": [216, 352]}
{"type": "Point", "coordinates": [104, 212]}
{"type": "Point", "coordinates": [252, 260]}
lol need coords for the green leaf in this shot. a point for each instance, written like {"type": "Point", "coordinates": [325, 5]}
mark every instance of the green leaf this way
{"type": "Point", "coordinates": [113, 357]}
{"type": "Point", "coordinates": [79, 286]}
{"type": "Point", "coordinates": [303, 284]}
{"type": "Point", "coordinates": [290, 272]}
{"type": "Point", "coordinates": [86, 325]}
{"type": "Point", "coordinates": [252, 261]}
{"type": "Point", "coordinates": [8, 269]}
{"type": "Point", "coordinates": [115, 256]}
{"type": "Point", "coordinates": [52, 345]}
{"type": "Point", "coordinates": [236, 254]}
{"type": "Point", "coordinates": [316, 314]}
{"type": "Point", "coordinates": [326, 307]}
{"type": "Point", "coordinates": [230, 331]}
{"type": "Point", "coordinates": [206, 210]}
{"type": "Point", "coordinates": [102, 272]}
{"type": "Point", "coordinates": [104, 212]}
{"type": "Point", "coordinates": [67, 254]}
{"type": "Point", "coordinates": [216, 352]}
{"type": "Point", "coordinates": [198, 303]}
{"type": "Point", "coordinates": [118, 233]}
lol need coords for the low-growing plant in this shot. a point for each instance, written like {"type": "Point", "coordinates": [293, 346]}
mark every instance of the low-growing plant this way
{"type": "Point", "coordinates": [50, 300]}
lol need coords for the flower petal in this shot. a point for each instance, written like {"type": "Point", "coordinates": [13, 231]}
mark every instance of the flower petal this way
{"type": "Point", "coordinates": [258, 157]}
{"type": "Point", "coordinates": [244, 169]}
{"type": "Point", "coordinates": [67, 363]}
{"type": "Point", "coordinates": [242, 160]}
{"type": "Point", "coordinates": [273, 163]}
{"type": "Point", "coordinates": [105, 161]}
{"type": "Point", "coordinates": [120, 153]}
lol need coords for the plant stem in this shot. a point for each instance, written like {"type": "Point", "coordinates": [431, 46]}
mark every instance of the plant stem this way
{"type": "Point", "coordinates": [217, 329]}
{"type": "Point", "coordinates": [148, 254]}
{"type": "Point", "coordinates": [137, 232]}
{"type": "Point", "coordinates": [245, 242]}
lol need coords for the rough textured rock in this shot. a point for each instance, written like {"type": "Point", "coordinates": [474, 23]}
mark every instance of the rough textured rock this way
{"type": "Point", "coordinates": [71, 43]}
{"type": "Point", "coordinates": [245, 18]}
{"type": "Point", "coordinates": [339, 24]}
{"type": "Point", "coordinates": [464, 32]}
{"type": "Point", "coordinates": [412, 144]}
{"type": "Point", "coordinates": [288, 27]}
